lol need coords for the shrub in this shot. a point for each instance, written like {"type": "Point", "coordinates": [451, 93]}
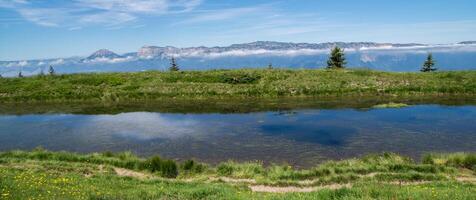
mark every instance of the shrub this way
{"type": "Point", "coordinates": [192, 166]}
{"type": "Point", "coordinates": [224, 169]}
{"type": "Point", "coordinates": [428, 159]}
{"type": "Point", "coordinates": [108, 154]}
{"type": "Point", "coordinates": [153, 164]}
{"type": "Point", "coordinates": [239, 78]}
{"type": "Point", "coordinates": [470, 161]}
{"type": "Point", "coordinates": [168, 169]}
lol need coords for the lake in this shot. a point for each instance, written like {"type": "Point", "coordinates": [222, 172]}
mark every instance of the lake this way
{"type": "Point", "coordinates": [302, 133]}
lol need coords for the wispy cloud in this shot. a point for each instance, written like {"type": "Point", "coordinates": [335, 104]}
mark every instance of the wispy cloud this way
{"type": "Point", "coordinates": [81, 13]}
{"type": "Point", "coordinates": [42, 16]}
{"type": "Point", "coordinates": [224, 14]}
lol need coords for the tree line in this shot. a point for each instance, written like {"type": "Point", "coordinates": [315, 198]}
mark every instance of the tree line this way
{"type": "Point", "coordinates": [336, 60]}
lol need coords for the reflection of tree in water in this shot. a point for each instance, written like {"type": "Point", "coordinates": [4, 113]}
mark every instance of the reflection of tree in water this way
{"type": "Point", "coordinates": [286, 112]}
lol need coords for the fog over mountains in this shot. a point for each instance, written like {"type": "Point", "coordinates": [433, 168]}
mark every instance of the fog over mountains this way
{"type": "Point", "coordinates": [380, 56]}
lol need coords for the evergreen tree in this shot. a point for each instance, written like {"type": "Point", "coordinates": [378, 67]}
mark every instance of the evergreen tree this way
{"type": "Point", "coordinates": [173, 65]}
{"type": "Point", "coordinates": [428, 65]}
{"type": "Point", "coordinates": [20, 75]}
{"type": "Point", "coordinates": [270, 66]}
{"type": "Point", "coordinates": [51, 71]}
{"type": "Point", "coordinates": [1, 76]}
{"type": "Point", "coordinates": [336, 59]}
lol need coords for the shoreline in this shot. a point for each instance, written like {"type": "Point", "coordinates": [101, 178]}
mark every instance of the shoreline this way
{"type": "Point", "coordinates": [241, 83]}
{"type": "Point", "coordinates": [40, 173]}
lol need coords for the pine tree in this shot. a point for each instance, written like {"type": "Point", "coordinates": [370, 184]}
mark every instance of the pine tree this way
{"type": "Point", "coordinates": [51, 71]}
{"type": "Point", "coordinates": [20, 75]}
{"type": "Point", "coordinates": [428, 65]}
{"type": "Point", "coordinates": [270, 66]}
{"type": "Point", "coordinates": [173, 65]}
{"type": "Point", "coordinates": [336, 59]}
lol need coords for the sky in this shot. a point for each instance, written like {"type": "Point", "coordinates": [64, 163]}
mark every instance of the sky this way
{"type": "Point", "coordinates": [35, 29]}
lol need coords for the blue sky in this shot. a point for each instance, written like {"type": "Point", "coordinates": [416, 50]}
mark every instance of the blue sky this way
{"type": "Point", "coordinates": [32, 29]}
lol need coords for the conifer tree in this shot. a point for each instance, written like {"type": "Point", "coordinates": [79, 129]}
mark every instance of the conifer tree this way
{"type": "Point", "coordinates": [173, 65]}
{"type": "Point", "coordinates": [428, 65]}
{"type": "Point", "coordinates": [51, 71]}
{"type": "Point", "coordinates": [20, 75]}
{"type": "Point", "coordinates": [336, 59]}
{"type": "Point", "coordinates": [270, 66]}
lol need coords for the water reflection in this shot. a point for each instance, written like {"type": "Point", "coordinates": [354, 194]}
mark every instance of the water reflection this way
{"type": "Point", "coordinates": [300, 137]}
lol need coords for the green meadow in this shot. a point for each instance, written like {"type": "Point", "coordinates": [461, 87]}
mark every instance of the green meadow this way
{"type": "Point", "coordinates": [263, 83]}
{"type": "Point", "coordinates": [41, 174]}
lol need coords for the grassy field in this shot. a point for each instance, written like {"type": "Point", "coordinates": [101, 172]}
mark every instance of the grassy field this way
{"type": "Point", "coordinates": [153, 85]}
{"type": "Point", "coordinates": [42, 174]}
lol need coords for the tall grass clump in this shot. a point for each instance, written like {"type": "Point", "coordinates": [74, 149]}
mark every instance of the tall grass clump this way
{"type": "Point", "coordinates": [192, 167]}
{"type": "Point", "coordinates": [461, 160]}
{"type": "Point", "coordinates": [165, 168]}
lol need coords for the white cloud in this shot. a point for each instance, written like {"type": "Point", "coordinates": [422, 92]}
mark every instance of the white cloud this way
{"type": "Point", "coordinates": [11, 3]}
{"type": "Point", "coordinates": [126, 5]}
{"type": "Point", "coordinates": [109, 18]}
{"type": "Point", "coordinates": [223, 14]}
{"type": "Point", "coordinates": [109, 60]}
{"type": "Point", "coordinates": [18, 64]}
{"type": "Point", "coordinates": [81, 13]}
{"type": "Point", "coordinates": [43, 17]}
{"type": "Point", "coordinates": [143, 125]}
{"type": "Point", "coordinates": [57, 62]}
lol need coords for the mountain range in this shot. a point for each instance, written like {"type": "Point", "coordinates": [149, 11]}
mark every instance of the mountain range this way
{"type": "Point", "coordinates": [379, 56]}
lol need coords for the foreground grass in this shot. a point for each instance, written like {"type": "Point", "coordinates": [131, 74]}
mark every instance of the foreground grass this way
{"type": "Point", "coordinates": [60, 175]}
{"type": "Point", "coordinates": [234, 83]}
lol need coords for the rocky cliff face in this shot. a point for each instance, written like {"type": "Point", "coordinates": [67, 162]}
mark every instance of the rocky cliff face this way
{"type": "Point", "coordinates": [380, 56]}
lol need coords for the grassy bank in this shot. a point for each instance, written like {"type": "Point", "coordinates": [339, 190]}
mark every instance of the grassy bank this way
{"type": "Point", "coordinates": [60, 175]}
{"type": "Point", "coordinates": [234, 83]}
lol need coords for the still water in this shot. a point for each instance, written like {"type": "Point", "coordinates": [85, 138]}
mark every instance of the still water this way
{"type": "Point", "coordinates": [301, 137]}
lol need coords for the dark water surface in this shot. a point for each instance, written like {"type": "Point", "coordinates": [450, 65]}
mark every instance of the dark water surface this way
{"type": "Point", "coordinates": [300, 136]}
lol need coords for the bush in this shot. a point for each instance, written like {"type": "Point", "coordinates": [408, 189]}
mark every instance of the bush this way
{"type": "Point", "coordinates": [428, 159]}
{"type": "Point", "coordinates": [470, 161]}
{"type": "Point", "coordinates": [154, 164]}
{"type": "Point", "coordinates": [168, 169]}
{"type": "Point", "coordinates": [188, 165]}
{"type": "Point", "coordinates": [224, 169]}
{"type": "Point", "coordinates": [192, 166]}
{"type": "Point", "coordinates": [239, 79]}
{"type": "Point", "coordinates": [108, 154]}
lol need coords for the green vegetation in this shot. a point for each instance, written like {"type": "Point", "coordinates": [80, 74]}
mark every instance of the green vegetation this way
{"type": "Point", "coordinates": [173, 65]}
{"type": "Point", "coordinates": [41, 174]}
{"type": "Point", "coordinates": [391, 105]}
{"type": "Point", "coordinates": [428, 65]}
{"type": "Point", "coordinates": [244, 83]}
{"type": "Point", "coordinates": [337, 59]}
{"type": "Point", "coordinates": [51, 71]}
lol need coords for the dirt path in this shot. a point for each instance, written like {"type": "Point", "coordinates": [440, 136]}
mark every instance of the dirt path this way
{"type": "Point", "coordinates": [130, 173]}
{"type": "Point", "coordinates": [287, 189]}
{"type": "Point", "coordinates": [303, 185]}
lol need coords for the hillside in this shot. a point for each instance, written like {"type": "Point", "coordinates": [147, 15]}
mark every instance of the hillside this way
{"type": "Point", "coordinates": [235, 83]}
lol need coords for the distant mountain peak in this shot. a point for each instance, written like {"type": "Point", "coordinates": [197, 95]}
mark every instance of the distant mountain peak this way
{"type": "Point", "coordinates": [468, 42]}
{"type": "Point", "coordinates": [103, 53]}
